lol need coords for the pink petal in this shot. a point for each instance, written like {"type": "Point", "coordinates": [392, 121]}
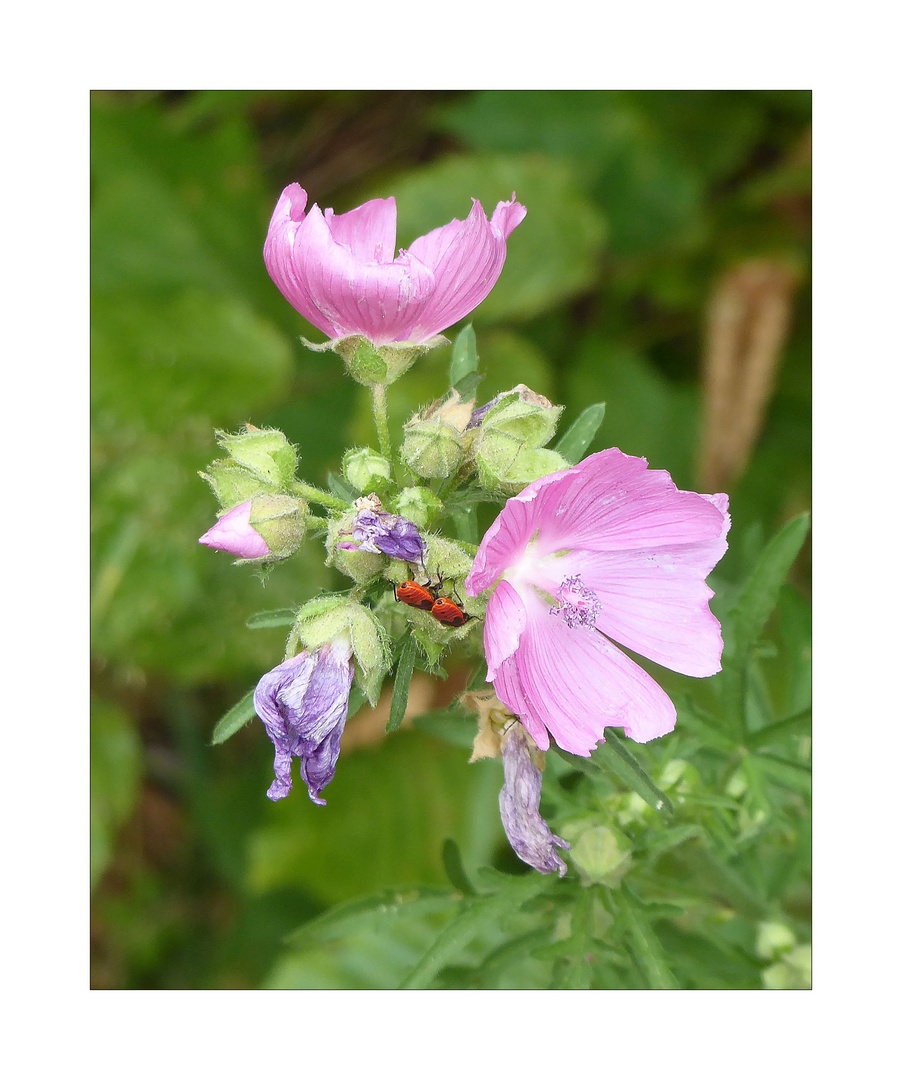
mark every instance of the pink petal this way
{"type": "Point", "coordinates": [578, 683]}
{"type": "Point", "coordinates": [510, 691]}
{"type": "Point", "coordinates": [234, 533]}
{"type": "Point", "coordinates": [614, 502]}
{"type": "Point", "coordinates": [369, 230]}
{"type": "Point", "coordinates": [507, 537]}
{"type": "Point", "coordinates": [505, 620]}
{"type": "Point", "coordinates": [280, 256]}
{"type": "Point", "coordinates": [467, 259]}
{"type": "Point", "coordinates": [508, 215]}
{"type": "Point", "coordinates": [358, 295]}
{"type": "Point", "coordinates": [655, 601]}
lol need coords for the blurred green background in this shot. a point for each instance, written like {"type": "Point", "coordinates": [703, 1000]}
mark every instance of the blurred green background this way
{"type": "Point", "coordinates": [663, 267]}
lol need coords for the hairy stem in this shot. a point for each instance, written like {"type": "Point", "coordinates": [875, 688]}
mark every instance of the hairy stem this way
{"type": "Point", "coordinates": [380, 412]}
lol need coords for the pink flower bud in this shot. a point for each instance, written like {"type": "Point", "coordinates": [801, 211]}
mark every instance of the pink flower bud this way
{"type": "Point", "coordinates": [234, 533]}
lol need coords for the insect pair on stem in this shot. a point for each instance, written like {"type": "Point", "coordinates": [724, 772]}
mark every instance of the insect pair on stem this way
{"type": "Point", "coordinates": [426, 597]}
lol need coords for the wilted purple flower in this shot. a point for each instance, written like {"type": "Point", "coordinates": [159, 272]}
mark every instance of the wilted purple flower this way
{"type": "Point", "coordinates": [234, 533]}
{"type": "Point", "coordinates": [340, 271]}
{"type": "Point", "coordinates": [376, 530]}
{"type": "Point", "coordinates": [303, 704]}
{"type": "Point", "coordinates": [526, 829]}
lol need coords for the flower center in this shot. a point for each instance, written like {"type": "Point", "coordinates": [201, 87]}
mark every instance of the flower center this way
{"type": "Point", "coordinates": [576, 602]}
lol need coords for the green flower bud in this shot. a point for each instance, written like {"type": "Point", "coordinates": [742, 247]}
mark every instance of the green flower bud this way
{"type": "Point", "coordinates": [366, 470]}
{"type": "Point", "coordinates": [371, 364]}
{"type": "Point", "coordinates": [360, 566]}
{"type": "Point", "coordinates": [265, 453]}
{"type": "Point", "coordinates": [773, 940]}
{"type": "Point", "coordinates": [432, 448]}
{"type": "Point", "coordinates": [601, 854]}
{"type": "Point", "coordinates": [419, 505]}
{"type": "Point", "coordinates": [506, 465]}
{"type": "Point", "coordinates": [326, 617]}
{"type": "Point", "coordinates": [526, 421]}
{"type": "Point", "coordinates": [281, 520]}
{"type": "Point", "coordinates": [232, 484]}
{"type": "Point", "coordinates": [792, 972]}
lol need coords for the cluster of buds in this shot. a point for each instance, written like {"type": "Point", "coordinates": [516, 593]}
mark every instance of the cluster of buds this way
{"type": "Point", "coordinates": [502, 442]}
{"type": "Point", "coordinates": [261, 518]}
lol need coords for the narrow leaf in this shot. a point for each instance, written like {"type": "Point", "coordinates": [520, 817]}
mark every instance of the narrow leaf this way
{"type": "Point", "coordinates": [760, 593]}
{"type": "Point", "coordinates": [481, 913]}
{"type": "Point", "coordinates": [464, 359]}
{"type": "Point", "coordinates": [340, 487]}
{"type": "Point", "coordinates": [574, 443]}
{"type": "Point", "coordinates": [378, 910]}
{"type": "Point", "coordinates": [403, 675]}
{"type": "Point", "coordinates": [798, 724]}
{"type": "Point", "coordinates": [235, 719]}
{"type": "Point", "coordinates": [454, 868]}
{"type": "Point", "coordinates": [264, 620]}
{"type": "Point", "coordinates": [648, 952]}
{"type": "Point", "coordinates": [613, 756]}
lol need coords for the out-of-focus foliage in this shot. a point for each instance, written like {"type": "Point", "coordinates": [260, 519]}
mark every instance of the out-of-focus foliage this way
{"type": "Point", "coordinates": [642, 205]}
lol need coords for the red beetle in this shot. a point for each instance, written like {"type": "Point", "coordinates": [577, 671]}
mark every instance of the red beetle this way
{"type": "Point", "coordinates": [447, 612]}
{"type": "Point", "coordinates": [416, 595]}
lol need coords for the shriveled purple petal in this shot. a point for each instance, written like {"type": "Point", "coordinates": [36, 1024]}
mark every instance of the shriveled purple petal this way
{"type": "Point", "coordinates": [375, 530]}
{"type": "Point", "coordinates": [234, 533]}
{"type": "Point", "coordinates": [526, 829]}
{"type": "Point", "coordinates": [303, 704]}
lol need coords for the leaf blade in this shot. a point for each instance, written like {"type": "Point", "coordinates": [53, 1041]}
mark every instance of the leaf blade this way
{"type": "Point", "coordinates": [241, 713]}
{"type": "Point", "coordinates": [577, 439]}
{"type": "Point", "coordinates": [401, 691]}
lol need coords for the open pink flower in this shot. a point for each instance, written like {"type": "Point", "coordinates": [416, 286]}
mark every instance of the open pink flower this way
{"type": "Point", "coordinates": [340, 271]}
{"type": "Point", "coordinates": [607, 549]}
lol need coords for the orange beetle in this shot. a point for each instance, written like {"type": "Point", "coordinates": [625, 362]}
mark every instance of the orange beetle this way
{"type": "Point", "coordinates": [447, 612]}
{"type": "Point", "coordinates": [416, 595]}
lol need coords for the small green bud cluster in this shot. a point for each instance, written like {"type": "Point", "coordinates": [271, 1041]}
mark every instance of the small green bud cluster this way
{"type": "Point", "coordinates": [260, 470]}
{"type": "Point", "coordinates": [508, 447]}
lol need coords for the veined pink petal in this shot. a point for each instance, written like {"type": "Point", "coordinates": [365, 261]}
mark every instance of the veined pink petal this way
{"type": "Point", "coordinates": [507, 537]}
{"type": "Point", "coordinates": [508, 215]}
{"type": "Point", "coordinates": [579, 684]}
{"type": "Point", "coordinates": [510, 690]}
{"type": "Point", "coordinates": [369, 230]}
{"type": "Point", "coordinates": [614, 502]}
{"type": "Point", "coordinates": [655, 601]}
{"type": "Point", "coordinates": [282, 258]}
{"type": "Point", "coordinates": [505, 620]}
{"type": "Point", "coordinates": [357, 295]}
{"type": "Point", "coordinates": [467, 259]}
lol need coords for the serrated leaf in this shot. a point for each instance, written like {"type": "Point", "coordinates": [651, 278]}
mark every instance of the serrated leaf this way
{"type": "Point", "coordinates": [356, 915]}
{"type": "Point", "coordinates": [480, 914]}
{"type": "Point", "coordinates": [464, 358]}
{"type": "Point", "coordinates": [574, 443]}
{"type": "Point", "coordinates": [234, 720]}
{"type": "Point", "coordinates": [265, 620]}
{"type": "Point", "coordinates": [760, 593]}
{"type": "Point", "coordinates": [401, 691]}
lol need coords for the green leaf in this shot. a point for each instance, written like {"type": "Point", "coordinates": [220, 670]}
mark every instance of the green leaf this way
{"type": "Point", "coordinates": [115, 779]}
{"type": "Point", "coordinates": [371, 912]}
{"type": "Point", "coordinates": [481, 914]}
{"type": "Point", "coordinates": [647, 950]}
{"type": "Point", "coordinates": [464, 358]}
{"type": "Point", "coordinates": [265, 620]}
{"type": "Point", "coordinates": [235, 719]}
{"type": "Point", "coordinates": [613, 756]}
{"type": "Point", "coordinates": [340, 487]}
{"type": "Point", "coordinates": [454, 868]}
{"type": "Point", "coordinates": [403, 675]}
{"type": "Point", "coordinates": [760, 593]}
{"type": "Point", "coordinates": [799, 724]}
{"type": "Point", "coordinates": [578, 437]}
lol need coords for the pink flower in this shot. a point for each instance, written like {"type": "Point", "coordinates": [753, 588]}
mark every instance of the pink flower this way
{"type": "Point", "coordinates": [606, 550]}
{"type": "Point", "coordinates": [234, 533]}
{"type": "Point", "coordinates": [340, 271]}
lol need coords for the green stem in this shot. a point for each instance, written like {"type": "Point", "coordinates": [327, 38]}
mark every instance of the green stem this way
{"type": "Point", "coordinates": [316, 495]}
{"type": "Point", "coordinates": [380, 412]}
